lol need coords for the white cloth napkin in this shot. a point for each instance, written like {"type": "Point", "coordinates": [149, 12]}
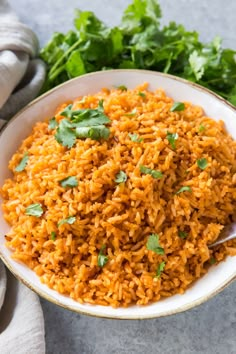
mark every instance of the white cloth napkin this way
{"type": "Point", "coordinates": [21, 77]}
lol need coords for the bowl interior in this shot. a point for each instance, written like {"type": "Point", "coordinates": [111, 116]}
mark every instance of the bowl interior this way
{"type": "Point", "coordinates": [20, 126]}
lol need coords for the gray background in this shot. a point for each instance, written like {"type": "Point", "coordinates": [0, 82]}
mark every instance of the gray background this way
{"type": "Point", "coordinates": [210, 328]}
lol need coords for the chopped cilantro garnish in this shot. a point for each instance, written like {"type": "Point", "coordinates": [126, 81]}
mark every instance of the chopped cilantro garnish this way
{"type": "Point", "coordinates": [53, 235]}
{"type": "Point", "coordinates": [70, 220]}
{"type": "Point", "coordinates": [160, 269]}
{"type": "Point", "coordinates": [95, 133]}
{"type": "Point", "coordinates": [142, 94]}
{"type": "Point", "coordinates": [34, 210]}
{"type": "Point", "coordinates": [121, 177]}
{"type": "Point", "coordinates": [177, 106]}
{"type": "Point", "coordinates": [52, 124]}
{"type": "Point", "coordinates": [65, 135]}
{"type": "Point", "coordinates": [83, 100]}
{"type": "Point", "coordinates": [102, 259]}
{"type": "Point", "coordinates": [131, 114]}
{"type": "Point", "coordinates": [86, 117]}
{"type": "Point", "coordinates": [122, 88]}
{"type": "Point", "coordinates": [202, 163]}
{"type": "Point", "coordinates": [68, 112]}
{"type": "Point", "coordinates": [172, 137]}
{"type": "Point", "coordinates": [184, 189]}
{"type": "Point", "coordinates": [135, 138]}
{"type": "Point", "coordinates": [201, 128]}
{"type": "Point", "coordinates": [82, 123]}
{"type": "Point", "coordinates": [148, 171]}
{"type": "Point", "coordinates": [69, 182]}
{"type": "Point", "coordinates": [212, 260]}
{"type": "Point", "coordinates": [182, 234]}
{"type": "Point", "coordinates": [153, 244]}
{"type": "Point", "coordinates": [23, 163]}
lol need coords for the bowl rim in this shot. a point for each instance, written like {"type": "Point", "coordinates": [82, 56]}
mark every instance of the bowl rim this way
{"type": "Point", "coordinates": [73, 308]}
{"type": "Point", "coordinates": [95, 73]}
{"type": "Point", "coordinates": [50, 298]}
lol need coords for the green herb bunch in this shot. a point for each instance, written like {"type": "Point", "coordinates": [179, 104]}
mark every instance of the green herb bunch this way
{"type": "Point", "coordinates": [139, 42]}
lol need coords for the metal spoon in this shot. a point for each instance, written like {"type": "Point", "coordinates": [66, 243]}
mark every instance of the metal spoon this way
{"type": "Point", "coordinates": [228, 233]}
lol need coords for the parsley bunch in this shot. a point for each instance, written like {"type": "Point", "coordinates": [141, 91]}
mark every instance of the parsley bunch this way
{"type": "Point", "coordinates": [139, 43]}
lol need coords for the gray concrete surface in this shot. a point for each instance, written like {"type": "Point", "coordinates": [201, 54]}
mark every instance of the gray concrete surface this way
{"type": "Point", "coordinates": [208, 329]}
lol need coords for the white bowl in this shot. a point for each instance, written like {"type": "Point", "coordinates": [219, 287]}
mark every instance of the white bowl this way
{"type": "Point", "coordinates": [20, 126]}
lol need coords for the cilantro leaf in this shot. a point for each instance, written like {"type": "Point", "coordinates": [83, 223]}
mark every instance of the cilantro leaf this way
{"type": "Point", "coordinates": [212, 260]}
{"type": "Point", "coordinates": [142, 94]}
{"type": "Point", "coordinates": [53, 235]}
{"type": "Point", "coordinates": [86, 117]}
{"type": "Point", "coordinates": [198, 64]}
{"type": "Point", "coordinates": [139, 15]}
{"type": "Point", "coordinates": [121, 177]}
{"type": "Point", "coordinates": [132, 113]}
{"type": "Point", "coordinates": [122, 88]}
{"type": "Point", "coordinates": [102, 259]}
{"type": "Point", "coordinates": [52, 124]}
{"type": "Point", "coordinates": [135, 138]}
{"type": "Point", "coordinates": [177, 106]}
{"type": "Point", "coordinates": [160, 269]}
{"type": "Point", "coordinates": [69, 182]}
{"type": "Point", "coordinates": [82, 124]}
{"type": "Point", "coordinates": [86, 21]}
{"type": "Point", "coordinates": [96, 132]}
{"type": "Point", "coordinates": [70, 220]}
{"type": "Point", "coordinates": [182, 234]}
{"type": "Point", "coordinates": [202, 163]}
{"type": "Point", "coordinates": [75, 64]}
{"type": "Point", "coordinates": [68, 112]}
{"type": "Point", "coordinates": [201, 128]}
{"type": "Point", "coordinates": [232, 96]}
{"type": "Point", "coordinates": [116, 38]}
{"type": "Point", "coordinates": [65, 135]}
{"type": "Point", "coordinates": [34, 210]}
{"type": "Point", "coordinates": [172, 137]}
{"type": "Point", "coordinates": [148, 171]}
{"type": "Point", "coordinates": [184, 189]}
{"type": "Point", "coordinates": [22, 163]}
{"type": "Point", "coordinates": [153, 244]}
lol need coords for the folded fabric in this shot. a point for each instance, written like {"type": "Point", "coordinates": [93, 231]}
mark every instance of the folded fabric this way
{"type": "Point", "coordinates": [21, 318]}
{"type": "Point", "coordinates": [21, 77]}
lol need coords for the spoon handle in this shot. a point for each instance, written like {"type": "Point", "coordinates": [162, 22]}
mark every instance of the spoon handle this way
{"type": "Point", "coordinates": [228, 233]}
